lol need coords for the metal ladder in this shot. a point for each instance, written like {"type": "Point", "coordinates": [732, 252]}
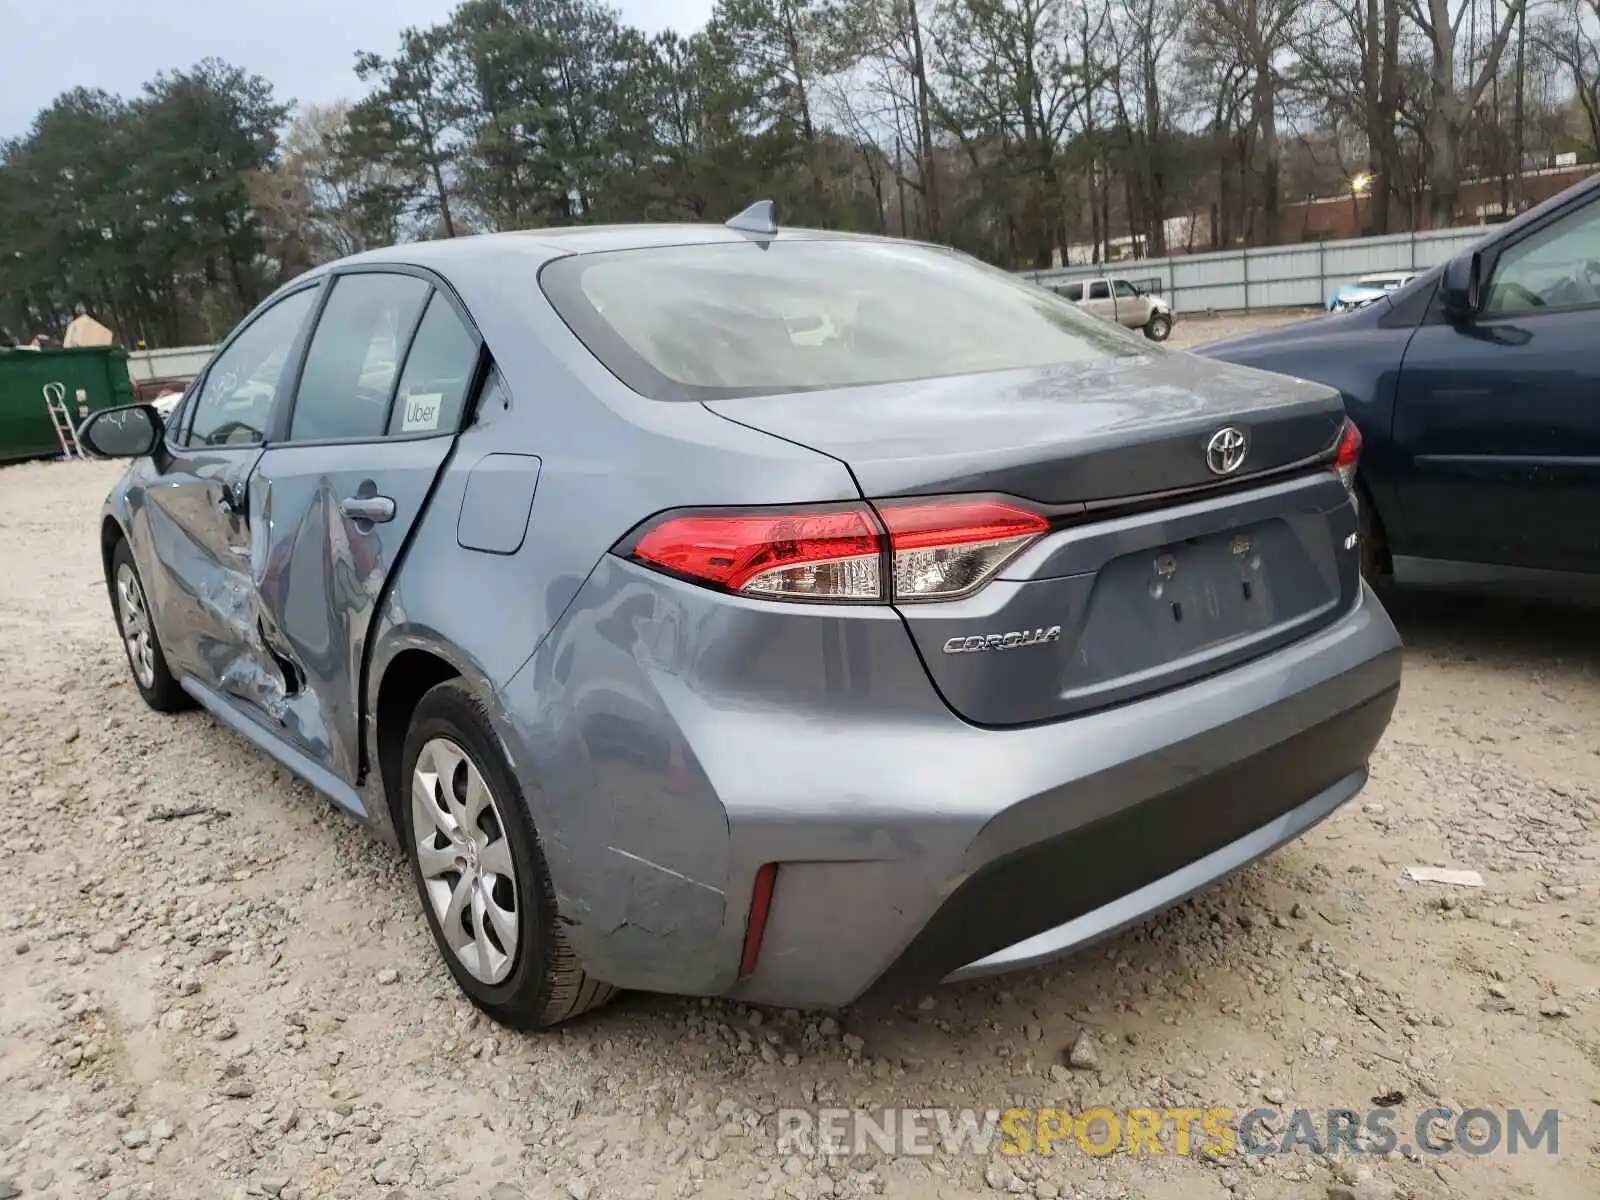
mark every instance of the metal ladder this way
{"type": "Point", "coordinates": [55, 400]}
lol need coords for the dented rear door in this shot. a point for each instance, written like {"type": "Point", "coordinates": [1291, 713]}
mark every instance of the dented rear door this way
{"type": "Point", "coordinates": [335, 499]}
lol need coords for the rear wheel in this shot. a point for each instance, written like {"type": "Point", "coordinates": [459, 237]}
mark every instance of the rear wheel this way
{"type": "Point", "coordinates": [1158, 328]}
{"type": "Point", "coordinates": [480, 872]}
{"type": "Point", "coordinates": [137, 628]}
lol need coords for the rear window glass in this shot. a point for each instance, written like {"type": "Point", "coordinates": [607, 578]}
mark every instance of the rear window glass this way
{"type": "Point", "coordinates": [740, 319]}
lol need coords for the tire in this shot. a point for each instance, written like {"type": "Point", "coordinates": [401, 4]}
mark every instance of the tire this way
{"type": "Point", "coordinates": [1158, 328]}
{"type": "Point", "coordinates": [536, 981]}
{"type": "Point", "coordinates": [147, 661]}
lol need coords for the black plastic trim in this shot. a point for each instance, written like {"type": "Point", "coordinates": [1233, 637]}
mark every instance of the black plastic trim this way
{"type": "Point", "coordinates": [1051, 882]}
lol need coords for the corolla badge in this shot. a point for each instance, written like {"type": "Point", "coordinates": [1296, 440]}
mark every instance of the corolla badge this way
{"type": "Point", "coordinates": [1014, 640]}
{"type": "Point", "coordinates": [1225, 451]}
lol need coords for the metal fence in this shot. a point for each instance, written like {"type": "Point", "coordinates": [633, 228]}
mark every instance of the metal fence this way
{"type": "Point", "coordinates": [1276, 276]}
{"type": "Point", "coordinates": [179, 362]}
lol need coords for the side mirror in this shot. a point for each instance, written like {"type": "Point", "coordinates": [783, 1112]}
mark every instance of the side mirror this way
{"type": "Point", "coordinates": [131, 431]}
{"type": "Point", "coordinates": [1459, 289]}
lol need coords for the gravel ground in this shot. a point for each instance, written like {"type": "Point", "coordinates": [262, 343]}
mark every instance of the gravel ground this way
{"type": "Point", "coordinates": [1196, 330]}
{"type": "Point", "coordinates": [244, 1001]}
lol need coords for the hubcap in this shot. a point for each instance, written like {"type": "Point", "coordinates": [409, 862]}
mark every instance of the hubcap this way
{"type": "Point", "coordinates": [465, 860]}
{"type": "Point", "coordinates": [135, 620]}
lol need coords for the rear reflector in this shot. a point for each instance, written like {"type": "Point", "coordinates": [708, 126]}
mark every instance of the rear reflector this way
{"type": "Point", "coordinates": [756, 925]}
{"type": "Point", "coordinates": [902, 550]}
{"type": "Point", "coordinates": [1349, 453]}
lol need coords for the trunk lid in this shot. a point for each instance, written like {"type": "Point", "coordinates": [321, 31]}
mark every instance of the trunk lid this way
{"type": "Point", "coordinates": [1135, 589]}
{"type": "Point", "coordinates": [1064, 435]}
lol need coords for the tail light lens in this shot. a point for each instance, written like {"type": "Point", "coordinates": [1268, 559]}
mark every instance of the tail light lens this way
{"type": "Point", "coordinates": [905, 550]}
{"type": "Point", "coordinates": [829, 554]}
{"type": "Point", "coordinates": [948, 549]}
{"type": "Point", "coordinates": [1348, 454]}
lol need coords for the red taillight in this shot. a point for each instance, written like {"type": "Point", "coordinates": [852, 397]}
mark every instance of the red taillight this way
{"type": "Point", "coordinates": [934, 549]}
{"type": "Point", "coordinates": [756, 924]}
{"type": "Point", "coordinates": [1349, 453]}
{"type": "Point", "coordinates": [950, 548]}
{"type": "Point", "coordinates": [827, 554]}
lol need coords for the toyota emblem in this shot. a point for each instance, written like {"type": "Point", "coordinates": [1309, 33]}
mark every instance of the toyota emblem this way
{"type": "Point", "coordinates": [1225, 451]}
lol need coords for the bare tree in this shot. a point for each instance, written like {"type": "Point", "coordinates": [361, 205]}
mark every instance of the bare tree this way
{"type": "Point", "coordinates": [320, 201]}
{"type": "Point", "coordinates": [1013, 84]}
{"type": "Point", "coordinates": [1568, 33]}
{"type": "Point", "coordinates": [1351, 67]}
{"type": "Point", "coordinates": [1257, 36]}
{"type": "Point", "coordinates": [1450, 100]}
{"type": "Point", "coordinates": [892, 88]}
{"type": "Point", "coordinates": [1144, 36]}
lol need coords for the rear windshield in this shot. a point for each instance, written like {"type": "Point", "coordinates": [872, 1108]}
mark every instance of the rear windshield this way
{"type": "Point", "coordinates": [714, 321]}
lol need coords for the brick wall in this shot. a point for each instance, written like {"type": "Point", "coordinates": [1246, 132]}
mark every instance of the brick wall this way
{"type": "Point", "coordinates": [1346, 217]}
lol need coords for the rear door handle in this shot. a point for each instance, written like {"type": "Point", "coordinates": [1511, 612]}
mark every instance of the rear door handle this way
{"type": "Point", "coordinates": [368, 508]}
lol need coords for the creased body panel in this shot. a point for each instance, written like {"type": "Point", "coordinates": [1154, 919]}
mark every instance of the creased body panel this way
{"type": "Point", "coordinates": [655, 718]}
{"type": "Point", "coordinates": [319, 574]}
{"type": "Point", "coordinates": [192, 544]}
{"type": "Point", "coordinates": [678, 739]}
{"type": "Point", "coordinates": [576, 461]}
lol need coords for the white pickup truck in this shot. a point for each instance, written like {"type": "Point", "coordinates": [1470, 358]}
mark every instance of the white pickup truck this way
{"type": "Point", "coordinates": [1121, 301]}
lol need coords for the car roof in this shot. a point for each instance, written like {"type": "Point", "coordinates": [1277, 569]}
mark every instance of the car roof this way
{"type": "Point", "coordinates": [494, 273]}
{"type": "Point", "coordinates": [482, 268]}
{"type": "Point", "coordinates": [540, 245]}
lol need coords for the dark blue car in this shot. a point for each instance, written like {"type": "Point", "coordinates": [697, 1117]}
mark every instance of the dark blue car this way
{"type": "Point", "coordinates": [1477, 392]}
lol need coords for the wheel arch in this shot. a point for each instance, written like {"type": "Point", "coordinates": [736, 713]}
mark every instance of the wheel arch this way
{"type": "Point", "coordinates": [1379, 527]}
{"type": "Point", "coordinates": [111, 532]}
{"type": "Point", "coordinates": [406, 679]}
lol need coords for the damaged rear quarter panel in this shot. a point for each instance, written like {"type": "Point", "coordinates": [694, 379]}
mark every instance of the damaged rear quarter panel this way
{"type": "Point", "coordinates": [680, 738]}
{"type": "Point", "coordinates": [635, 880]}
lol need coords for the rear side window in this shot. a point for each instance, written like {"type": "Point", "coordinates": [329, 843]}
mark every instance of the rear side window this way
{"type": "Point", "coordinates": [1070, 291]}
{"type": "Point", "coordinates": [1099, 290]}
{"type": "Point", "coordinates": [744, 318]}
{"type": "Point", "coordinates": [439, 370]}
{"type": "Point", "coordinates": [355, 355]}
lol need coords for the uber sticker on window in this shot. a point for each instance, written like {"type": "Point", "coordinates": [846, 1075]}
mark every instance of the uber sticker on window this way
{"type": "Point", "coordinates": [422, 412]}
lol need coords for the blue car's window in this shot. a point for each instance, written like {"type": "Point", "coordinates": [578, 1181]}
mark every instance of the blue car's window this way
{"type": "Point", "coordinates": [439, 368]}
{"type": "Point", "coordinates": [355, 355]}
{"type": "Point", "coordinates": [235, 401]}
{"type": "Point", "coordinates": [1557, 267]}
{"type": "Point", "coordinates": [745, 318]}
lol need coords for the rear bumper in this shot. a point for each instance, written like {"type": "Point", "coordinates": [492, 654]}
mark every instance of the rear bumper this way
{"type": "Point", "coordinates": [671, 744]}
{"type": "Point", "coordinates": [1096, 823]}
{"type": "Point", "coordinates": [1146, 858]}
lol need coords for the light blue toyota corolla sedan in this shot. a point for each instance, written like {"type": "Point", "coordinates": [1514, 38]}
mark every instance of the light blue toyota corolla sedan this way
{"type": "Point", "coordinates": [771, 614]}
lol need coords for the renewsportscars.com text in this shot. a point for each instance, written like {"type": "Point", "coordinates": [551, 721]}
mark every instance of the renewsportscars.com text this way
{"type": "Point", "coordinates": [1177, 1131]}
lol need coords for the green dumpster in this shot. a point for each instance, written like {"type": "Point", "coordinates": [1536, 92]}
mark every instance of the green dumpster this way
{"type": "Point", "coordinates": [90, 379]}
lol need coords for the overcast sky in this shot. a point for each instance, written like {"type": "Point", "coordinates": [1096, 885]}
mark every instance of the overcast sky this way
{"type": "Point", "coordinates": [305, 47]}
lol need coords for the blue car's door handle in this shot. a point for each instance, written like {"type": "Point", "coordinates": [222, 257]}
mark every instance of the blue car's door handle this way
{"type": "Point", "coordinates": [368, 508]}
